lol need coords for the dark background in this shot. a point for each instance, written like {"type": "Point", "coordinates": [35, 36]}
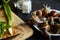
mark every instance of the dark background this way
{"type": "Point", "coordinates": [37, 4]}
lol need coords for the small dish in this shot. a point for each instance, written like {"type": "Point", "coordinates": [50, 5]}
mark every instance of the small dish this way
{"type": "Point", "coordinates": [44, 31]}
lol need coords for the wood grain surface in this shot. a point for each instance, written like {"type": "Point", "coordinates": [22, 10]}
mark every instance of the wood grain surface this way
{"type": "Point", "coordinates": [20, 27]}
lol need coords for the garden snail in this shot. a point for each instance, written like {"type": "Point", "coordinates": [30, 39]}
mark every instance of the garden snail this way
{"type": "Point", "coordinates": [39, 13]}
{"type": "Point", "coordinates": [46, 26]}
{"type": "Point", "coordinates": [36, 15]}
{"type": "Point", "coordinates": [53, 14]}
{"type": "Point", "coordinates": [46, 10]}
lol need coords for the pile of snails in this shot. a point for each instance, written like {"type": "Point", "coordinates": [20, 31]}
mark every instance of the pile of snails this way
{"type": "Point", "coordinates": [48, 18]}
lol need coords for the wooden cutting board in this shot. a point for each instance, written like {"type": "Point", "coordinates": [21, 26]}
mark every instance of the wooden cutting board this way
{"type": "Point", "coordinates": [25, 30]}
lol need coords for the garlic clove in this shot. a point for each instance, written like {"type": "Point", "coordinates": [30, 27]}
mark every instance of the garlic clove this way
{"type": "Point", "coordinates": [10, 30]}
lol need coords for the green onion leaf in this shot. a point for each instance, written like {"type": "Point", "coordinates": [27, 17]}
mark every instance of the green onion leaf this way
{"type": "Point", "coordinates": [6, 1]}
{"type": "Point", "coordinates": [8, 13]}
